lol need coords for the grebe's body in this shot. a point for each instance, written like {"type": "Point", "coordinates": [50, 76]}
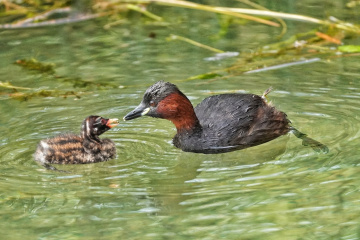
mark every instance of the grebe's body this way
{"type": "Point", "coordinates": [220, 123]}
{"type": "Point", "coordinates": [225, 126]}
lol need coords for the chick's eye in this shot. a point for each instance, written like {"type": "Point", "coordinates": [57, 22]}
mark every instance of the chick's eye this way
{"type": "Point", "coordinates": [152, 103]}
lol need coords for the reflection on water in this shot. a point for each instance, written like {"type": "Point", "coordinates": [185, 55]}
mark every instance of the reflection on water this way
{"type": "Point", "coordinates": [281, 189]}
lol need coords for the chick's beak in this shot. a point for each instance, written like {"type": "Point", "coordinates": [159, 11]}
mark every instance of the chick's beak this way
{"type": "Point", "coordinates": [112, 122]}
{"type": "Point", "coordinates": [139, 111]}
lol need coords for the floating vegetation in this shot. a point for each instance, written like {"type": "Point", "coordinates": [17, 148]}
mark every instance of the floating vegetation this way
{"type": "Point", "coordinates": [10, 86]}
{"type": "Point", "coordinates": [25, 96]}
{"type": "Point", "coordinates": [37, 67]}
{"type": "Point", "coordinates": [250, 14]}
{"type": "Point", "coordinates": [49, 68]}
{"type": "Point", "coordinates": [323, 42]}
{"type": "Point", "coordinates": [176, 37]}
{"type": "Point", "coordinates": [40, 13]}
{"type": "Point", "coordinates": [46, 19]}
{"type": "Point", "coordinates": [14, 14]}
{"type": "Point", "coordinates": [34, 65]}
{"type": "Point", "coordinates": [349, 48]}
{"type": "Point", "coordinates": [80, 83]}
{"type": "Point", "coordinates": [209, 75]}
{"type": "Point", "coordinates": [319, 44]}
{"type": "Point", "coordinates": [302, 48]}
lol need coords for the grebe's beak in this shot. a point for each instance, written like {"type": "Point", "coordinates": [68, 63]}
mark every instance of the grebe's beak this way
{"type": "Point", "coordinates": [112, 122]}
{"type": "Point", "coordinates": [139, 111]}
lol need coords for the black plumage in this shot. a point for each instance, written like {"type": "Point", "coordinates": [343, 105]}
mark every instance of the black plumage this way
{"type": "Point", "coordinates": [231, 122]}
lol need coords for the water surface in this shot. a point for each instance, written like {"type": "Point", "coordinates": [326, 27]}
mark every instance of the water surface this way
{"type": "Point", "coordinates": [279, 190]}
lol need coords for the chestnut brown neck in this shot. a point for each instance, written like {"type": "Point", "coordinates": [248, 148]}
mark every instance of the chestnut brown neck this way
{"type": "Point", "coordinates": [177, 108]}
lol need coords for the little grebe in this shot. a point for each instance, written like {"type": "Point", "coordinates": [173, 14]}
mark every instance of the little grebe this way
{"type": "Point", "coordinates": [220, 123]}
{"type": "Point", "coordinates": [79, 149]}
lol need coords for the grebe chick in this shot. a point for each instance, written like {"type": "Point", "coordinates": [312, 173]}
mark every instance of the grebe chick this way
{"type": "Point", "coordinates": [87, 147]}
{"type": "Point", "coordinates": [220, 123]}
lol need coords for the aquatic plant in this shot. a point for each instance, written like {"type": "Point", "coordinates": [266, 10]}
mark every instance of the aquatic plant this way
{"type": "Point", "coordinates": [325, 41]}
{"type": "Point", "coordinates": [24, 94]}
{"type": "Point", "coordinates": [36, 67]}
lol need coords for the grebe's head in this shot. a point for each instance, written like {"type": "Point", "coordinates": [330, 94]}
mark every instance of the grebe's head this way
{"type": "Point", "coordinates": [94, 126]}
{"type": "Point", "coordinates": [161, 100]}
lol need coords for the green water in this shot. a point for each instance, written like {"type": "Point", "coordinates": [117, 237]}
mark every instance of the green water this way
{"type": "Point", "coordinates": [279, 190]}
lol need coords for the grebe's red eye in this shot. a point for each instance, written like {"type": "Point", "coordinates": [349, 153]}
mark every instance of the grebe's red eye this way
{"type": "Point", "coordinates": [152, 103]}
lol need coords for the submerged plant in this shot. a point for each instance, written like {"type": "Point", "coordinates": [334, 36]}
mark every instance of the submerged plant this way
{"type": "Point", "coordinates": [34, 65]}
{"type": "Point", "coordinates": [25, 96]}
{"type": "Point", "coordinates": [37, 67]}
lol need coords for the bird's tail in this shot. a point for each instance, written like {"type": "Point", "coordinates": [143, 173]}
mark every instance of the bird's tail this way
{"type": "Point", "coordinates": [264, 96]}
{"type": "Point", "coordinates": [306, 141]}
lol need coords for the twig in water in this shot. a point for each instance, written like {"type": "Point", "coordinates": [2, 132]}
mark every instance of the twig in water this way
{"type": "Point", "coordinates": [176, 37]}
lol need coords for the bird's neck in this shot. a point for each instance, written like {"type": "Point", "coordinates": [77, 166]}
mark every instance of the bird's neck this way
{"type": "Point", "coordinates": [88, 136]}
{"type": "Point", "coordinates": [178, 109]}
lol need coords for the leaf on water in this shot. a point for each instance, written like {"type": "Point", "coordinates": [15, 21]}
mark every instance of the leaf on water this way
{"type": "Point", "coordinates": [349, 48]}
{"type": "Point", "coordinates": [34, 65]}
